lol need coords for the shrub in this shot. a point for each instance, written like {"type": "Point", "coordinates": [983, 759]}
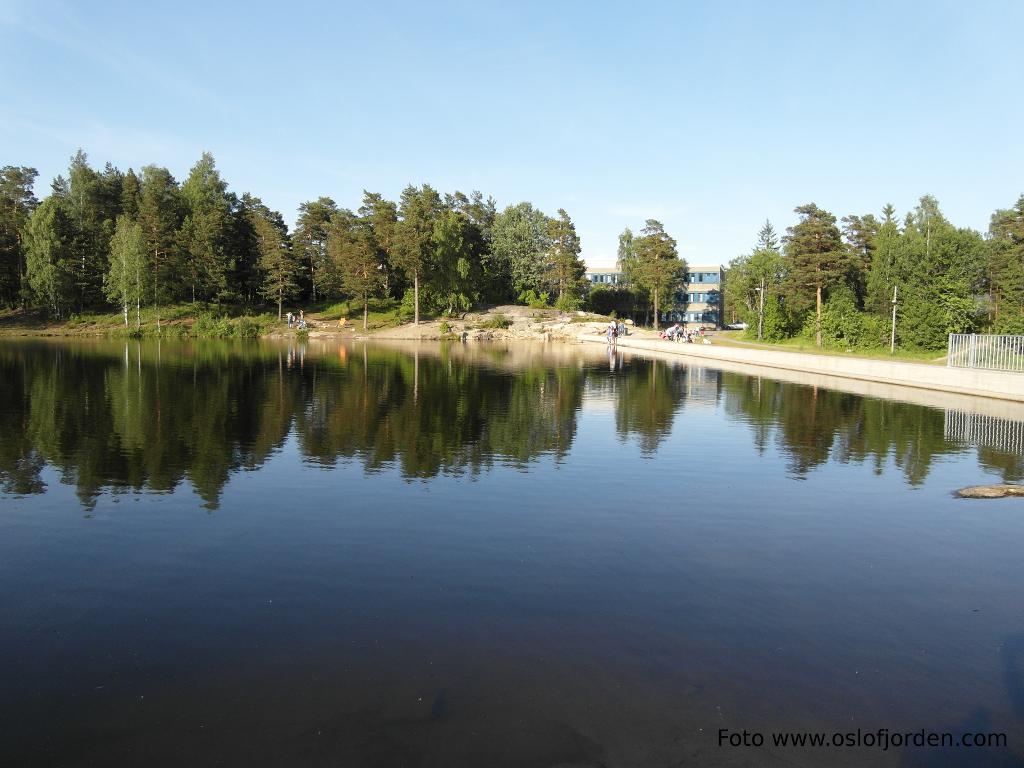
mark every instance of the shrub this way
{"type": "Point", "coordinates": [568, 302]}
{"type": "Point", "coordinates": [531, 299]}
{"type": "Point", "coordinates": [496, 321]}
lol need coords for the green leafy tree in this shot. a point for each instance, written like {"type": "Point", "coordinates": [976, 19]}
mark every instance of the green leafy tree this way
{"type": "Point", "coordinates": [815, 260]}
{"type": "Point", "coordinates": [49, 255]}
{"type": "Point", "coordinates": [520, 242]}
{"type": "Point", "coordinates": [452, 274]}
{"type": "Point", "coordinates": [752, 279]}
{"type": "Point", "coordinates": [942, 271]}
{"type": "Point", "coordinates": [495, 281]}
{"type": "Point", "coordinates": [17, 201]}
{"type": "Point", "coordinates": [657, 267]}
{"type": "Point", "coordinates": [125, 280]}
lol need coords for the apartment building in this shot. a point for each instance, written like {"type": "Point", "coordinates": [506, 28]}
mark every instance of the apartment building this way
{"type": "Point", "coordinates": [698, 304]}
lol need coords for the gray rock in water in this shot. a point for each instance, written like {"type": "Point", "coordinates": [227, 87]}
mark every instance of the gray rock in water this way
{"type": "Point", "coordinates": [997, 491]}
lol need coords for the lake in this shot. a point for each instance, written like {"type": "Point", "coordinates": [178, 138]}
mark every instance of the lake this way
{"type": "Point", "coordinates": [526, 555]}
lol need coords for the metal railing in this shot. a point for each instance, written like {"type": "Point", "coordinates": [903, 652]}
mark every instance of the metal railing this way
{"type": "Point", "coordinates": [990, 351]}
{"type": "Point", "coordinates": [985, 431]}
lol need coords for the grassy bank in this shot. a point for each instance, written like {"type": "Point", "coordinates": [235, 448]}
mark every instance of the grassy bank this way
{"type": "Point", "coordinates": [736, 339]}
{"type": "Point", "coordinates": [181, 320]}
{"type": "Point", "coordinates": [196, 321]}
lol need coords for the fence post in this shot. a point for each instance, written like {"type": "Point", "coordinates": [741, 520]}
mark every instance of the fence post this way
{"type": "Point", "coordinates": [972, 348]}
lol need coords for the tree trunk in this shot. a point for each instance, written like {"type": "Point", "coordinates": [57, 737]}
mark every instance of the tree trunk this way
{"type": "Point", "coordinates": [817, 319]}
{"type": "Point", "coordinates": [126, 314]}
{"type": "Point", "coordinates": [366, 304]}
{"type": "Point", "coordinates": [657, 317]}
{"type": "Point", "coordinates": [280, 300]}
{"type": "Point", "coordinates": [416, 297]}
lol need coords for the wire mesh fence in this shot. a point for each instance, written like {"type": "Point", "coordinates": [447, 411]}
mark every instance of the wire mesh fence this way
{"type": "Point", "coordinates": [995, 352]}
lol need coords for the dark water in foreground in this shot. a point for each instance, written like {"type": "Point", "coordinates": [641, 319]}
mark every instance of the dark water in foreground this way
{"type": "Point", "coordinates": [487, 556]}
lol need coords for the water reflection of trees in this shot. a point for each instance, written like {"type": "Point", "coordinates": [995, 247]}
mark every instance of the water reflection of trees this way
{"type": "Point", "coordinates": [811, 425]}
{"type": "Point", "coordinates": [151, 416]}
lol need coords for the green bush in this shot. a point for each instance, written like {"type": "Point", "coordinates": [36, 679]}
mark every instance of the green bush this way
{"type": "Point", "coordinates": [496, 321]}
{"type": "Point", "coordinates": [568, 303]}
{"type": "Point", "coordinates": [534, 301]}
{"type": "Point", "coordinates": [445, 327]}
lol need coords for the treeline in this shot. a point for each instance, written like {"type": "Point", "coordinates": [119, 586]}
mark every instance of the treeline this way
{"type": "Point", "coordinates": [132, 240]}
{"type": "Point", "coordinates": [839, 285]}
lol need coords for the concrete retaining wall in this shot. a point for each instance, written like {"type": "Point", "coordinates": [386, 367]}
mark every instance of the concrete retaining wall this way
{"type": "Point", "coordinates": [1007, 386]}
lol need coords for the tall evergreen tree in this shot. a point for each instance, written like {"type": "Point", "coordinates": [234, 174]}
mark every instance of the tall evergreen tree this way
{"type": "Point", "coordinates": [883, 272]}
{"type": "Point", "coordinates": [279, 269]}
{"type": "Point", "coordinates": [354, 251]}
{"type": "Point", "coordinates": [417, 211]}
{"type": "Point", "coordinates": [382, 217]}
{"type": "Point", "coordinates": [1005, 250]}
{"type": "Point", "coordinates": [205, 234]}
{"type": "Point", "coordinates": [565, 270]}
{"type": "Point", "coordinates": [312, 230]}
{"type": "Point", "coordinates": [17, 202]}
{"type": "Point", "coordinates": [131, 192]}
{"type": "Point", "coordinates": [815, 259]}
{"type": "Point", "coordinates": [160, 216]}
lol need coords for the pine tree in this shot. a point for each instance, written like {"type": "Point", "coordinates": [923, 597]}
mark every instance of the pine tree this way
{"type": "Point", "coordinates": [565, 270]}
{"type": "Point", "coordinates": [354, 251]}
{"type": "Point", "coordinates": [310, 242]}
{"type": "Point", "coordinates": [160, 216]}
{"type": "Point", "coordinates": [17, 202]}
{"type": "Point", "coordinates": [1005, 251]}
{"type": "Point", "coordinates": [382, 217]}
{"type": "Point", "coordinates": [417, 211]}
{"type": "Point", "coordinates": [206, 231]}
{"type": "Point", "coordinates": [815, 260]}
{"type": "Point", "coordinates": [279, 270]}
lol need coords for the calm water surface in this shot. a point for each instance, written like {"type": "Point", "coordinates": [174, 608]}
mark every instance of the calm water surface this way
{"type": "Point", "coordinates": [488, 556]}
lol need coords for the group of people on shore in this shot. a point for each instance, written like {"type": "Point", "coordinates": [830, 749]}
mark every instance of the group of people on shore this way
{"type": "Point", "coordinates": [675, 332]}
{"type": "Point", "coordinates": [688, 336]}
{"type": "Point", "coordinates": [615, 329]}
{"type": "Point", "coordinates": [296, 321]}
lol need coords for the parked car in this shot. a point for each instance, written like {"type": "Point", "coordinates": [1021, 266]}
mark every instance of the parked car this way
{"type": "Point", "coordinates": [737, 327]}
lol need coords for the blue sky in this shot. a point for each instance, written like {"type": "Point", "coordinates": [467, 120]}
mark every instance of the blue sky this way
{"type": "Point", "coordinates": [709, 116]}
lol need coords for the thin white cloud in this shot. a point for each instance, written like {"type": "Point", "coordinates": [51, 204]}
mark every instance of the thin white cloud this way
{"type": "Point", "coordinates": [61, 26]}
